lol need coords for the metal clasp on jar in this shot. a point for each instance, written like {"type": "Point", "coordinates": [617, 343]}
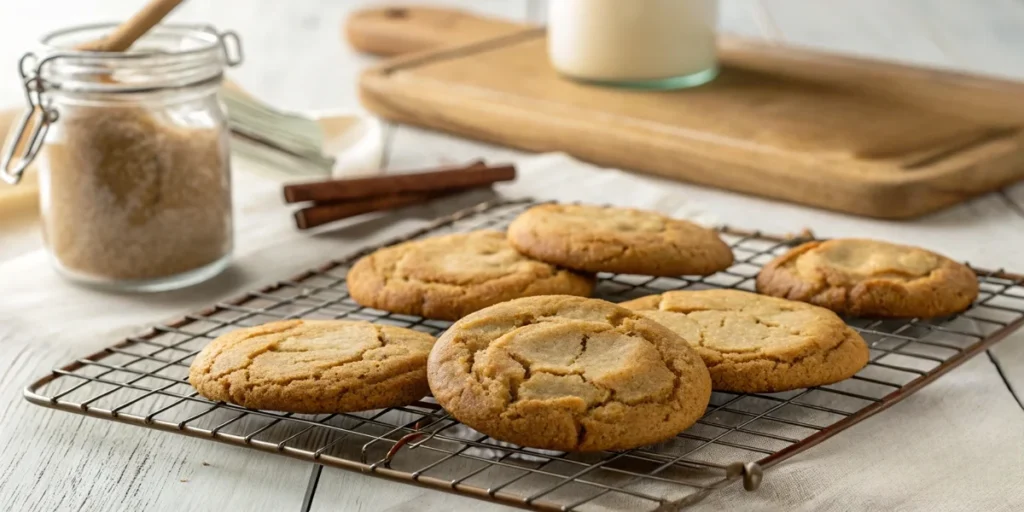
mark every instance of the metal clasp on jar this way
{"type": "Point", "coordinates": [232, 46]}
{"type": "Point", "coordinates": [39, 117]}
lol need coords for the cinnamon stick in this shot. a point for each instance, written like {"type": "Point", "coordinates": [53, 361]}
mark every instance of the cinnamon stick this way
{"type": "Point", "coordinates": [320, 214]}
{"type": "Point", "coordinates": [462, 177]}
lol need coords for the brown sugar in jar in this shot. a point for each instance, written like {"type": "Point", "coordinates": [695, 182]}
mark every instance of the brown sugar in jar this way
{"type": "Point", "coordinates": [134, 169]}
{"type": "Point", "coordinates": [132, 198]}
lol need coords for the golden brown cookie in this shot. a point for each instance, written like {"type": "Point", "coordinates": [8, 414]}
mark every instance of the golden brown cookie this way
{"type": "Point", "coordinates": [870, 278]}
{"type": "Point", "coordinates": [568, 373]}
{"type": "Point", "coordinates": [448, 277]}
{"type": "Point", "coordinates": [314, 366]}
{"type": "Point", "coordinates": [620, 240]}
{"type": "Point", "coordinates": [757, 344]}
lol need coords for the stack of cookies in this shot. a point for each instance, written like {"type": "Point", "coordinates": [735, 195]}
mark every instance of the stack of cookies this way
{"type": "Point", "coordinates": [533, 361]}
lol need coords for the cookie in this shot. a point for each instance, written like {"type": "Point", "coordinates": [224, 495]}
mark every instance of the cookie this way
{"type": "Point", "coordinates": [870, 278]}
{"type": "Point", "coordinates": [757, 344]}
{"type": "Point", "coordinates": [568, 373]}
{"type": "Point", "coordinates": [619, 240]}
{"type": "Point", "coordinates": [314, 366]}
{"type": "Point", "coordinates": [448, 277]}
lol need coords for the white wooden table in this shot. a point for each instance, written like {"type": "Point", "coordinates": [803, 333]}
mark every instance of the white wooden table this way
{"type": "Point", "coordinates": [52, 460]}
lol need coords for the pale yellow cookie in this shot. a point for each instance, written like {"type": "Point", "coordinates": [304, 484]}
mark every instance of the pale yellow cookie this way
{"type": "Point", "coordinates": [314, 366]}
{"type": "Point", "coordinates": [568, 373]}
{"type": "Point", "coordinates": [448, 277]}
{"type": "Point", "coordinates": [619, 240]}
{"type": "Point", "coordinates": [870, 278]}
{"type": "Point", "coordinates": [757, 344]}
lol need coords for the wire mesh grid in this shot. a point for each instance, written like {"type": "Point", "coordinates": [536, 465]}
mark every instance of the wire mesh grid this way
{"type": "Point", "coordinates": [143, 380]}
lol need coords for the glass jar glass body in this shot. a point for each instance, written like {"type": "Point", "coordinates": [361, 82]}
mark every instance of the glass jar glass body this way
{"type": "Point", "coordinates": [134, 158]}
{"type": "Point", "coordinates": [647, 44]}
{"type": "Point", "coordinates": [137, 195]}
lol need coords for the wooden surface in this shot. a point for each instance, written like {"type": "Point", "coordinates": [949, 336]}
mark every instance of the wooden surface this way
{"type": "Point", "coordinates": [390, 31]}
{"type": "Point", "coordinates": [56, 461]}
{"type": "Point", "coordinates": [846, 134]}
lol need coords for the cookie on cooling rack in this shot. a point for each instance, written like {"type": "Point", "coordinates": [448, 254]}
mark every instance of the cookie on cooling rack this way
{"type": "Point", "coordinates": [871, 278]}
{"type": "Point", "coordinates": [620, 240]}
{"type": "Point", "coordinates": [757, 344]}
{"type": "Point", "coordinates": [314, 366]}
{"type": "Point", "coordinates": [568, 373]}
{"type": "Point", "coordinates": [448, 277]}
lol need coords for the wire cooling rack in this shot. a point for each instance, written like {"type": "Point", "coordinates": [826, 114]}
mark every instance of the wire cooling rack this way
{"type": "Point", "coordinates": [142, 380]}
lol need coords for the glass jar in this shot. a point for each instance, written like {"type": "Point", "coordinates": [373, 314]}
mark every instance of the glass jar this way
{"type": "Point", "coordinates": [644, 44]}
{"type": "Point", "coordinates": [133, 156]}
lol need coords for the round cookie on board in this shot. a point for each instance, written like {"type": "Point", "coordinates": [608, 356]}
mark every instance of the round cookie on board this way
{"type": "Point", "coordinates": [450, 276]}
{"type": "Point", "coordinates": [860, 277]}
{"type": "Point", "coordinates": [757, 344]}
{"type": "Point", "coordinates": [568, 373]}
{"type": "Point", "coordinates": [314, 366]}
{"type": "Point", "coordinates": [619, 240]}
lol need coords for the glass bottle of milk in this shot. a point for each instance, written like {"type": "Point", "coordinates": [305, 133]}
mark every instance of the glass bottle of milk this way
{"type": "Point", "coordinates": [647, 44]}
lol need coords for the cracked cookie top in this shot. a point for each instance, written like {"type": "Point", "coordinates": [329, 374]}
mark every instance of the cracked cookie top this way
{"type": "Point", "coordinates": [314, 366]}
{"type": "Point", "coordinates": [856, 260]}
{"type": "Point", "coordinates": [871, 278]}
{"type": "Point", "coordinates": [448, 277]}
{"type": "Point", "coordinates": [754, 343]}
{"type": "Point", "coordinates": [621, 240]}
{"type": "Point", "coordinates": [568, 373]}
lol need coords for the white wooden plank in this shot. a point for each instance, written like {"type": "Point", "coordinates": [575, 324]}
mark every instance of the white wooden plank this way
{"type": "Point", "coordinates": [1015, 193]}
{"type": "Point", "coordinates": [871, 28]}
{"type": "Point", "coordinates": [20, 230]}
{"type": "Point", "coordinates": [912, 464]}
{"type": "Point", "coordinates": [343, 490]}
{"type": "Point", "coordinates": [742, 18]}
{"type": "Point", "coordinates": [1008, 357]}
{"type": "Point", "coordinates": [982, 37]}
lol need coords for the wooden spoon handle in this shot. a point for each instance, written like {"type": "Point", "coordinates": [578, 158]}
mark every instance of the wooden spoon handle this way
{"type": "Point", "coordinates": [128, 32]}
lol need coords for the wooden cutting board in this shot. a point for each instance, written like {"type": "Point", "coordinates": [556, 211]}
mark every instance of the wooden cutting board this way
{"type": "Point", "coordinates": [859, 136]}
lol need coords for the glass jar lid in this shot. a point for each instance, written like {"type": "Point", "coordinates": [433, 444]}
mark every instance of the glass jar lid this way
{"type": "Point", "coordinates": [167, 57]}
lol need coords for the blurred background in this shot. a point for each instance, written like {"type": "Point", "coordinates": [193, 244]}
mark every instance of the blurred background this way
{"type": "Point", "coordinates": [297, 59]}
